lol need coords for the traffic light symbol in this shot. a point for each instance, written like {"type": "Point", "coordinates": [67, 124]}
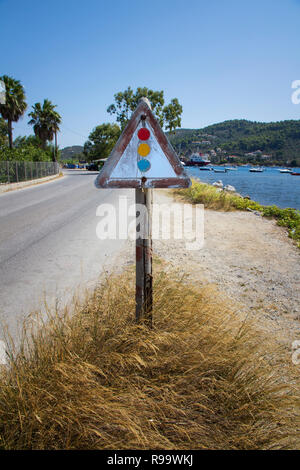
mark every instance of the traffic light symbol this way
{"type": "Point", "coordinates": [143, 133]}
{"type": "Point", "coordinates": [143, 150]}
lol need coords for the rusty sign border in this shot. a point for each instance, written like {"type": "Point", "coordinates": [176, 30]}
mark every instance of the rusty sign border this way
{"type": "Point", "coordinates": [142, 112]}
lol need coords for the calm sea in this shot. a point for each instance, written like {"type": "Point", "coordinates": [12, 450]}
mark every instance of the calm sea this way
{"type": "Point", "coordinates": [268, 188]}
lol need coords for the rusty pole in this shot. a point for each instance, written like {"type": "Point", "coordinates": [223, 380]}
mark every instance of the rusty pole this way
{"type": "Point", "coordinates": [143, 296]}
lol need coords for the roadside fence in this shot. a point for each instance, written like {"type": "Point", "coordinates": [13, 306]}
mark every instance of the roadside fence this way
{"type": "Point", "coordinates": [14, 172]}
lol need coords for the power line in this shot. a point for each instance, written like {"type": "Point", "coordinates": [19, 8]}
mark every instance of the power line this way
{"type": "Point", "coordinates": [74, 132]}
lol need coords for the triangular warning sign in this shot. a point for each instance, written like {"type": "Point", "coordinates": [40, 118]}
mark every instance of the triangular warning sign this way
{"type": "Point", "coordinates": [143, 156]}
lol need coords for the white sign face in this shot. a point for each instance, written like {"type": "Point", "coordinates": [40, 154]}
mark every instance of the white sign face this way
{"type": "Point", "coordinates": [143, 157]}
{"type": "Point", "coordinates": [2, 92]}
{"type": "Point", "coordinates": [127, 167]}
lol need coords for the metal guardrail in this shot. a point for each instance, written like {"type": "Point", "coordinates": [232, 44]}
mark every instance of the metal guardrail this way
{"type": "Point", "coordinates": [14, 172]}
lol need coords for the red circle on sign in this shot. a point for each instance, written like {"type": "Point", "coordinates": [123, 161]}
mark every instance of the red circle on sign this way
{"type": "Point", "coordinates": [143, 133]}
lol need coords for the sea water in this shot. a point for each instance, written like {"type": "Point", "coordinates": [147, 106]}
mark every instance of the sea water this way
{"type": "Point", "coordinates": [268, 188]}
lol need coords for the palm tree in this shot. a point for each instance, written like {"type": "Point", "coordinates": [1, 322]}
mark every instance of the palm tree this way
{"type": "Point", "coordinates": [45, 121]}
{"type": "Point", "coordinates": [14, 106]}
{"type": "Point", "coordinates": [55, 121]}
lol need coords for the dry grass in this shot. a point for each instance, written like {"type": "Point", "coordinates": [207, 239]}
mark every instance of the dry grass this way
{"type": "Point", "coordinates": [201, 379]}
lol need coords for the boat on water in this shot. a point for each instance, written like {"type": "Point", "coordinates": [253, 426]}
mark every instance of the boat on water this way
{"type": "Point", "coordinates": [205, 168]}
{"type": "Point", "coordinates": [285, 170]}
{"type": "Point", "coordinates": [220, 170]}
{"type": "Point", "coordinates": [231, 168]}
{"type": "Point", "coordinates": [198, 159]}
{"type": "Point", "coordinates": [295, 173]}
{"type": "Point", "coordinates": [256, 170]}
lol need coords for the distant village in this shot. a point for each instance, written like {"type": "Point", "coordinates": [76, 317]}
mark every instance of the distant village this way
{"type": "Point", "coordinates": [218, 155]}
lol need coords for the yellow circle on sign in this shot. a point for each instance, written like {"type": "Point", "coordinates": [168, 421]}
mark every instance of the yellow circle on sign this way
{"type": "Point", "coordinates": [143, 150]}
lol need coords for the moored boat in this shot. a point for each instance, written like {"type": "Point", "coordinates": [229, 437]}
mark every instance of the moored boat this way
{"type": "Point", "coordinates": [294, 173]}
{"type": "Point", "coordinates": [198, 159]}
{"type": "Point", "coordinates": [256, 170]}
{"type": "Point", "coordinates": [220, 170]}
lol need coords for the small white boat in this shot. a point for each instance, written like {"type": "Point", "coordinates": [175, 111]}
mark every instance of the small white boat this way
{"type": "Point", "coordinates": [231, 168]}
{"type": "Point", "coordinates": [256, 170]}
{"type": "Point", "coordinates": [220, 170]}
{"type": "Point", "coordinates": [285, 170]}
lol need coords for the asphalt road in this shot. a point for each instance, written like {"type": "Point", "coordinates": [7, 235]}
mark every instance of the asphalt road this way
{"type": "Point", "coordinates": [48, 244]}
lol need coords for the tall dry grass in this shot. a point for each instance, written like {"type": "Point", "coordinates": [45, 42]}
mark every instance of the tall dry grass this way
{"type": "Point", "coordinates": [200, 379]}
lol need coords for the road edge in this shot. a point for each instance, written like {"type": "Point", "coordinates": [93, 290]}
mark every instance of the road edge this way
{"type": "Point", "coordinates": [26, 184]}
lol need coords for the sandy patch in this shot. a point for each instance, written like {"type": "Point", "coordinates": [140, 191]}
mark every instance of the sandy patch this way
{"type": "Point", "coordinates": [247, 257]}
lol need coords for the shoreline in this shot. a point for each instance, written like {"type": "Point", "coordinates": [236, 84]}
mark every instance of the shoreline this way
{"type": "Point", "coordinates": [219, 198]}
{"type": "Point", "coordinates": [270, 197]}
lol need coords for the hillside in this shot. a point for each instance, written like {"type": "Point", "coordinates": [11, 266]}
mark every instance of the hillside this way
{"type": "Point", "coordinates": [267, 143]}
{"type": "Point", "coordinates": [74, 151]}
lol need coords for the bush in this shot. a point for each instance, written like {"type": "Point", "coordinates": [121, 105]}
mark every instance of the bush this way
{"type": "Point", "coordinates": [25, 153]}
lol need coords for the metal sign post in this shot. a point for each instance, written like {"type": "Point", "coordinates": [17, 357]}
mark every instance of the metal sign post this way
{"type": "Point", "coordinates": [143, 292]}
{"type": "Point", "coordinates": [143, 159]}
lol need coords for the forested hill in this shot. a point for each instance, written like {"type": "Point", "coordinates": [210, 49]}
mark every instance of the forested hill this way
{"type": "Point", "coordinates": [69, 153]}
{"type": "Point", "coordinates": [270, 143]}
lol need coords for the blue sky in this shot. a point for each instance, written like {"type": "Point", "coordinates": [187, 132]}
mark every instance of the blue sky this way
{"type": "Point", "coordinates": [223, 59]}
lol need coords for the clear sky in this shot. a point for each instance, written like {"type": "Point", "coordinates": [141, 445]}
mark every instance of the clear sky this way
{"type": "Point", "coordinates": [223, 59]}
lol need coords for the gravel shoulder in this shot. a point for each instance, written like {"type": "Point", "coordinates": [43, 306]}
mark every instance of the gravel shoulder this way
{"type": "Point", "coordinates": [248, 258]}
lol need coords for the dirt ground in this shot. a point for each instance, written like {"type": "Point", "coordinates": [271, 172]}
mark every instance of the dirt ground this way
{"type": "Point", "coordinates": [250, 259]}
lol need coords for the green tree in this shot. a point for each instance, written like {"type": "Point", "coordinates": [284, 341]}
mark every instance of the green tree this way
{"type": "Point", "coordinates": [24, 141]}
{"type": "Point", "coordinates": [15, 104]}
{"type": "Point", "coordinates": [172, 115]}
{"type": "Point", "coordinates": [26, 149]}
{"type": "Point", "coordinates": [45, 121]}
{"type": "Point", "coordinates": [126, 102]}
{"type": "Point", "coordinates": [101, 141]}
